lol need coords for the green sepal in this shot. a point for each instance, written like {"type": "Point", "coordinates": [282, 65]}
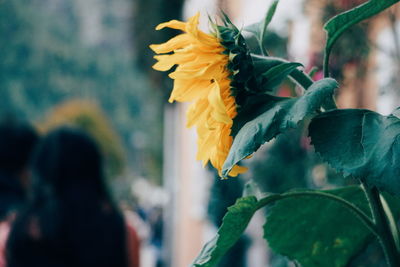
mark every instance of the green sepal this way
{"type": "Point", "coordinates": [240, 63]}
{"type": "Point", "coordinates": [248, 77]}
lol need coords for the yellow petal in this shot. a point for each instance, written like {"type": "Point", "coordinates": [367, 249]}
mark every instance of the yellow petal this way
{"type": "Point", "coordinates": [205, 58]}
{"type": "Point", "coordinates": [219, 112]}
{"type": "Point", "coordinates": [187, 73]}
{"type": "Point", "coordinates": [174, 43]}
{"type": "Point", "coordinates": [236, 170]}
{"type": "Point", "coordinates": [206, 147]}
{"type": "Point", "coordinates": [166, 62]}
{"type": "Point", "coordinates": [193, 30]}
{"type": "Point", "coordinates": [197, 112]}
{"type": "Point", "coordinates": [202, 71]}
{"type": "Point", "coordinates": [189, 90]}
{"type": "Point", "coordinates": [173, 24]}
{"type": "Point", "coordinates": [192, 25]}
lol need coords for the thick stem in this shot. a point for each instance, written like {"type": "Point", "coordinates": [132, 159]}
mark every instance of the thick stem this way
{"type": "Point", "coordinates": [392, 221]}
{"type": "Point", "coordinates": [384, 234]}
{"type": "Point", "coordinates": [305, 81]}
{"type": "Point", "coordinates": [326, 62]}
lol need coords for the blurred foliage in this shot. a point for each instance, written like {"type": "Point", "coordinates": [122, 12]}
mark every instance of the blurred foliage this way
{"type": "Point", "coordinates": [285, 153]}
{"type": "Point", "coordinates": [223, 195]}
{"type": "Point", "coordinates": [303, 168]}
{"type": "Point", "coordinates": [88, 116]}
{"type": "Point", "coordinates": [59, 50]}
{"type": "Point", "coordinates": [144, 35]}
{"type": "Point", "coordinates": [145, 23]}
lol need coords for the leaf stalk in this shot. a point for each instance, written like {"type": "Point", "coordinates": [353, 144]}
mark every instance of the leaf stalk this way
{"type": "Point", "coordinates": [382, 225]}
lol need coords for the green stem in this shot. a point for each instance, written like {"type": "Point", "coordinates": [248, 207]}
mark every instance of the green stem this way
{"type": "Point", "coordinates": [267, 20]}
{"type": "Point", "coordinates": [365, 219]}
{"type": "Point", "coordinates": [298, 76]}
{"type": "Point", "coordinates": [326, 62]}
{"type": "Point", "coordinates": [305, 81]}
{"type": "Point", "coordinates": [392, 222]}
{"type": "Point", "coordinates": [301, 78]}
{"type": "Point", "coordinates": [384, 233]}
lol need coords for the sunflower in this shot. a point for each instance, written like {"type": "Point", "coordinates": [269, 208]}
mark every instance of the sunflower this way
{"type": "Point", "coordinates": [203, 78]}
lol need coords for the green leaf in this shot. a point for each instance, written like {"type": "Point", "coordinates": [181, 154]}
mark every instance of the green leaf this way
{"type": "Point", "coordinates": [233, 225]}
{"type": "Point", "coordinates": [258, 30]}
{"type": "Point", "coordinates": [274, 76]}
{"type": "Point", "coordinates": [268, 18]}
{"type": "Point", "coordinates": [336, 26]}
{"type": "Point", "coordinates": [361, 143]}
{"type": "Point", "coordinates": [263, 65]}
{"type": "Point", "coordinates": [275, 116]}
{"type": "Point", "coordinates": [318, 232]}
{"type": "Point", "coordinates": [254, 106]}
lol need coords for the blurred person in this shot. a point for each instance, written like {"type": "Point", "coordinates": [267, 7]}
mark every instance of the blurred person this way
{"type": "Point", "coordinates": [139, 228]}
{"type": "Point", "coordinates": [70, 219]}
{"type": "Point", "coordinates": [17, 139]}
{"type": "Point", "coordinates": [157, 226]}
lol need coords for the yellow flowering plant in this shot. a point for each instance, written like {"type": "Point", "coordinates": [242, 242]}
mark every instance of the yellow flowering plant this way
{"type": "Point", "coordinates": [215, 72]}
{"type": "Point", "coordinates": [235, 109]}
{"type": "Point", "coordinates": [204, 77]}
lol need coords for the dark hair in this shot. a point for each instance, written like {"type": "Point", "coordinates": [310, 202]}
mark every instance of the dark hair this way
{"type": "Point", "coordinates": [70, 219]}
{"type": "Point", "coordinates": [17, 139]}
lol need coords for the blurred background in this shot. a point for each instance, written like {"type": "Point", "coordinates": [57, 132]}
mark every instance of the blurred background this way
{"type": "Point", "coordinates": [87, 63]}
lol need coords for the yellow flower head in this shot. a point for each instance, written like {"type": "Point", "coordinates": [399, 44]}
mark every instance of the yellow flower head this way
{"type": "Point", "coordinates": [202, 77]}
